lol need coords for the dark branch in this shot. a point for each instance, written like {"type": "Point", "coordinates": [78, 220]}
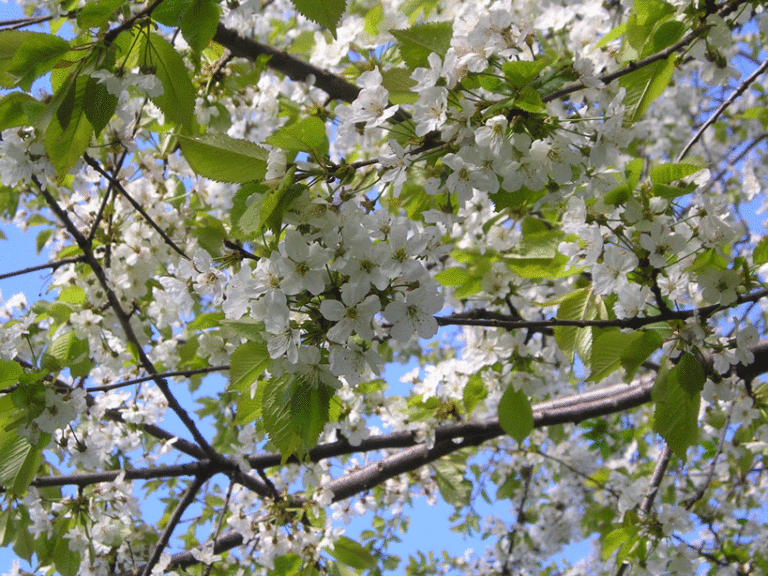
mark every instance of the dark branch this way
{"type": "Point", "coordinates": [53, 265]}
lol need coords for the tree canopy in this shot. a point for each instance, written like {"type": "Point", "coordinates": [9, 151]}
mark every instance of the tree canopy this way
{"type": "Point", "coordinates": [549, 211]}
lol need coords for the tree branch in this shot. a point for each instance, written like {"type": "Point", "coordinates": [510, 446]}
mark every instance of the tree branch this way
{"type": "Point", "coordinates": [53, 265]}
{"type": "Point", "coordinates": [124, 321]}
{"type": "Point", "coordinates": [728, 101]}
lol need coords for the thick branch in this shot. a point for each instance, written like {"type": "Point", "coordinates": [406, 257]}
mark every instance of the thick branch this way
{"type": "Point", "coordinates": [282, 62]}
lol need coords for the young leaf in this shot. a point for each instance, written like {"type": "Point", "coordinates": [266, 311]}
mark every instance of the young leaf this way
{"type": "Point", "coordinates": [247, 365]}
{"type": "Point", "coordinates": [177, 102]}
{"type": "Point", "coordinates": [12, 109]}
{"type": "Point", "coordinates": [326, 13]}
{"type": "Point", "coordinates": [666, 173]}
{"type": "Point", "coordinates": [66, 144]}
{"type": "Point", "coordinates": [419, 41]}
{"type": "Point", "coordinates": [277, 398]}
{"type": "Point", "coordinates": [223, 158]}
{"type": "Point", "coordinates": [35, 55]}
{"type": "Point", "coordinates": [677, 395]}
{"type": "Point", "coordinates": [645, 85]}
{"type": "Point", "coordinates": [198, 25]}
{"type": "Point", "coordinates": [308, 135]}
{"type": "Point", "coordinates": [515, 414]}
{"type": "Point", "coordinates": [352, 554]}
{"type": "Point", "coordinates": [454, 488]}
{"type": "Point", "coordinates": [9, 373]}
{"type": "Point", "coordinates": [309, 411]}
{"type": "Point", "coordinates": [99, 104]}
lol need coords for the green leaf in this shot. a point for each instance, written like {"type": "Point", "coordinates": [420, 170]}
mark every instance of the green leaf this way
{"type": "Point", "coordinates": [453, 276]}
{"type": "Point", "coordinates": [677, 395]}
{"type": "Point", "coordinates": [614, 349]}
{"type": "Point", "coordinates": [96, 14]}
{"type": "Point", "coordinates": [645, 85]}
{"type": "Point", "coordinates": [672, 192]}
{"type": "Point", "coordinates": [35, 55]}
{"type": "Point", "coordinates": [327, 13]}
{"type": "Point", "coordinates": [65, 144]}
{"type": "Point", "coordinates": [583, 304]}
{"type": "Point", "coordinates": [618, 538]}
{"type": "Point", "coordinates": [515, 414]}
{"type": "Point", "coordinates": [418, 42]}
{"type": "Point", "coordinates": [198, 25]}
{"type": "Point", "coordinates": [99, 104]}
{"type": "Point", "coordinates": [223, 158]}
{"type": "Point", "coordinates": [170, 12]}
{"type": "Point", "coordinates": [19, 462]}
{"type": "Point", "coordinates": [666, 173]}
{"type": "Point", "coordinates": [13, 108]}
{"type": "Point", "coordinates": [308, 135]}
{"type": "Point", "coordinates": [9, 373]}
{"type": "Point", "coordinates": [612, 35]}
{"type": "Point", "coordinates": [352, 554]}
{"type": "Point", "coordinates": [67, 351]}
{"type": "Point", "coordinates": [275, 204]}
{"type": "Point", "coordinates": [309, 411]}
{"type": "Point", "coordinates": [277, 397]}
{"type": "Point", "coordinates": [247, 365]}
{"type": "Point", "coordinates": [177, 102]}
{"type": "Point", "coordinates": [760, 254]}
{"type": "Point", "coordinates": [287, 565]}
{"type": "Point", "coordinates": [520, 73]}
{"type": "Point", "coordinates": [454, 488]}
{"type": "Point", "coordinates": [474, 393]}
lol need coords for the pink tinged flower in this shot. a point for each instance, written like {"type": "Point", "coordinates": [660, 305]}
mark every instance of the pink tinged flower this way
{"type": "Point", "coordinates": [416, 314]}
{"type": "Point", "coordinates": [350, 316]}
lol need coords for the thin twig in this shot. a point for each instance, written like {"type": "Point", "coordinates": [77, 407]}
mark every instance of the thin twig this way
{"type": "Point", "coordinates": [53, 265]}
{"type": "Point", "coordinates": [728, 101]}
{"type": "Point", "coordinates": [124, 321]}
{"type": "Point", "coordinates": [192, 372]}
{"type": "Point", "coordinates": [187, 499]}
{"type": "Point", "coordinates": [116, 183]}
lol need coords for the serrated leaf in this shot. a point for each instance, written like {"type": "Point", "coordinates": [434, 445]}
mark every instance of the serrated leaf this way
{"type": "Point", "coordinates": [645, 85]}
{"type": "Point", "coordinates": [65, 145]}
{"type": "Point", "coordinates": [418, 42]}
{"type": "Point", "coordinates": [677, 404]}
{"type": "Point", "coordinates": [666, 173]}
{"type": "Point", "coordinates": [474, 393]}
{"type": "Point", "coordinates": [453, 276]}
{"type": "Point", "coordinates": [277, 395]}
{"type": "Point", "coordinates": [582, 304]}
{"type": "Point", "coordinates": [327, 13]}
{"type": "Point", "coordinates": [275, 204]}
{"type": "Point", "coordinates": [67, 351]}
{"type": "Point", "coordinates": [198, 25]}
{"type": "Point", "coordinates": [515, 414]}
{"type": "Point", "coordinates": [760, 254]}
{"type": "Point", "coordinates": [520, 73]}
{"type": "Point", "coordinates": [287, 565]}
{"type": "Point", "coordinates": [96, 14]}
{"type": "Point", "coordinates": [454, 488]}
{"type": "Point", "coordinates": [9, 373]}
{"type": "Point", "coordinates": [617, 32]}
{"type": "Point", "coordinates": [309, 411]}
{"type": "Point", "coordinates": [35, 55]}
{"type": "Point", "coordinates": [618, 538]}
{"type": "Point", "coordinates": [639, 350]}
{"type": "Point", "coordinates": [19, 462]}
{"type": "Point", "coordinates": [177, 102]}
{"type": "Point", "coordinates": [99, 105]}
{"type": "Point", "coordinates": [308, 135]}
{"type": "Point", "coordinates": [223, 158]}
{"type": "Point", "coordinates": [352, 554]}
{"type": "Point", "coordinates": [13, 109]}
{"type": "Point", "coordinates": [247, 365]}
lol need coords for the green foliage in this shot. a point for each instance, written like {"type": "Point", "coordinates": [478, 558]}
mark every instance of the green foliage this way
{"type": "Point", "coordinates": [515, 414]}
{"type": "Point", "coordinates": [677, 396]}
{"type": "Point", "coordinates": [177, 102]}
{"type": "Point", "coordinates": [25, 56]}
{"type": "Point", "coordinates": [582, 304]}
{"type": "Point", "coordinates": [353, 554]}
{"type": "Point", "coordinates": [449, 475]}
{"type": "Point", "coordinates": [327, 13]}
{"type": "Point", "coordinates": [223, 158]}
{"type": "Point", "coordinates": [199, 22]}
{"type": "Point", "coordinates": [614, 349]}
{"type": "Point", "coordinates": [307, 135]}
{"type": "Point", "coordinates": [418, 42]}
